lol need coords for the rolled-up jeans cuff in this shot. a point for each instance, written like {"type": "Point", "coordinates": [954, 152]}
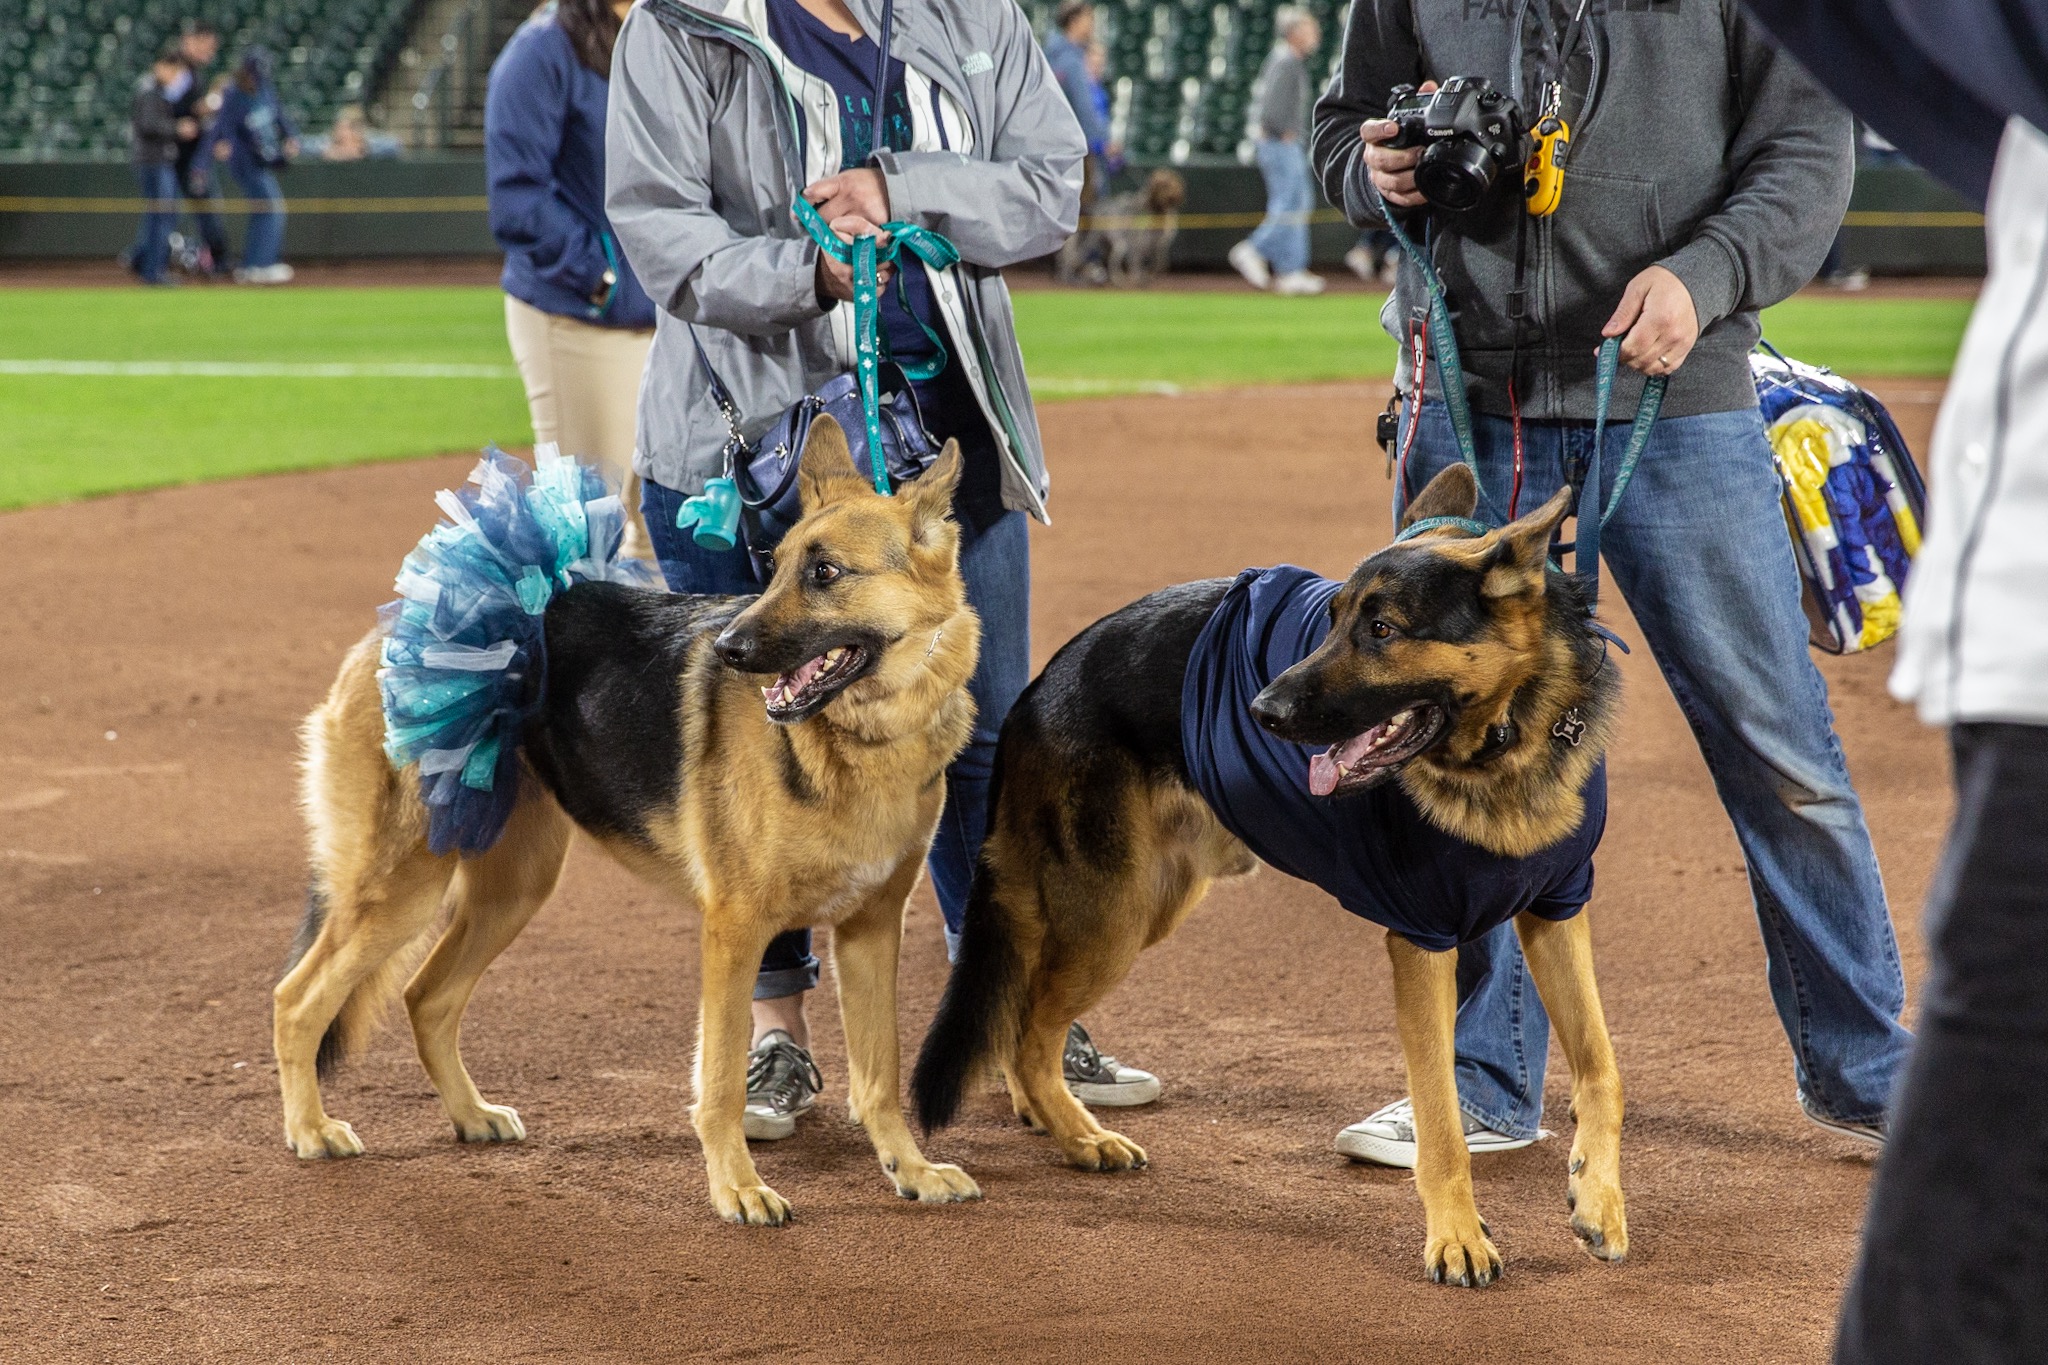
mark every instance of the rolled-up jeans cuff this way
{"type": "Point", "coordinates": [953, 937]}
{"type": "Point", "coordinates": [785, 981]}
{"type": "Point", "coordinates": [1504, 1126]}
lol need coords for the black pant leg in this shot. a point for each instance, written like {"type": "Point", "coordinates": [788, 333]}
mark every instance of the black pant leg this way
{"type": "Point", "coordinates": [1954, 1266]}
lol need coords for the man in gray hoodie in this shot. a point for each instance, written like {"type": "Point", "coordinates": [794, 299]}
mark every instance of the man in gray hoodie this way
{"type": "Point", "coordinates": [1707, 174]}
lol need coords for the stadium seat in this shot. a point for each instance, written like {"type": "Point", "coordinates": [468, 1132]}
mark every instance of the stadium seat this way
{"type": "Point", "coordinates": [69, 67]}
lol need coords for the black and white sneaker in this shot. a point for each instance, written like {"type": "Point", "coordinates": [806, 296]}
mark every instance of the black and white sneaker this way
{"type": "Point", "coordinates": [1100, 1079]}
{"type": "Point", "coordinates": [1872, 1133]}
{"type": "Point", "coordinates": [782, 1082]}
{"type": "Point", "coordinates": [1387, 1138]}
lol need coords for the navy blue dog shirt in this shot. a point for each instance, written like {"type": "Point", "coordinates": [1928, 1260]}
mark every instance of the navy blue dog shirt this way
{"type": "Point", "coordinates": [1374, 851]}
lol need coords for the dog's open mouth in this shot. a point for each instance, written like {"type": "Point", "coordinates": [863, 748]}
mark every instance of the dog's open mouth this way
{"type": "Point", "coordinates": [804, 688]}
{"type": "Point", "coordinates": [1358, 761]}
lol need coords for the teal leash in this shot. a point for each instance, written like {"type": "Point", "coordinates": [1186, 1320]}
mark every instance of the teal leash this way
{"type": "Point", "coordinates": [867, 256]}
{"type": "Point", "coordinates": [1590, 518]}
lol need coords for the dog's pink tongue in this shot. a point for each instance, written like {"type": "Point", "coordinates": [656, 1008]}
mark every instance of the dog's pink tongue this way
{"type": "Point", "coordinates": [794, 682]}
{"type": "Point", "coordinates": [1322, 773]}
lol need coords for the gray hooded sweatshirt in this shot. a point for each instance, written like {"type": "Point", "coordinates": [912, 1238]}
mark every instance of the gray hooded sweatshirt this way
{"type": "Point", "coordinates": [701, 165]}
{"type": "Point", "coordinates": [1708, 151]}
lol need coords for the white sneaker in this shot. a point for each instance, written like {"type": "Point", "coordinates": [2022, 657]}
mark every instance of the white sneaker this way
{"type": "Point", "coordinates": [265, 274]}
{"type": "Point", "coordinates": [1387, 1138]}
{"type": "Point", "coordinates": [1099, 1079]}
{"type": "Point", "coordinates": [1298, 282]}
{"type": "Point", "coordinates": [1872, 1133]}
{"type": "Point", "coordinates": [1360, 262]}
{"type": "Point", "coordinates": [782, 1085]}
{"type": "Point", "coordinates": [1245, 260]}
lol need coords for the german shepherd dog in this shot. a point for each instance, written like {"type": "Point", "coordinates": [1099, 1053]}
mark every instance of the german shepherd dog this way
{"type": "Point", "coordinates": [775, 760]}
{"type": "Point", "coordinates": [1449, 662]}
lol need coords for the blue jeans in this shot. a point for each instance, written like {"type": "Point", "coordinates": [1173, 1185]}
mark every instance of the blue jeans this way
{"type": "Point", "coordinates": [264, 242]}
{"type": "Point", "coordinates": [1283, 237]}
{"type": "Point", "coordinates": [995, 561]}
{"type": "Point", "coordinates": [152, 257]}
{"type": "Point", "coordinates": [1698, 547]}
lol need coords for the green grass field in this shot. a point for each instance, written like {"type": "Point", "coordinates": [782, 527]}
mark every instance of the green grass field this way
{"type": "Point", "coordinates": [414, 371]}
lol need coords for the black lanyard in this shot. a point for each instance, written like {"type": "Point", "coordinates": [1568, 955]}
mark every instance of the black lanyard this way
{"type": "Point", "coordinates": [1558, 52]}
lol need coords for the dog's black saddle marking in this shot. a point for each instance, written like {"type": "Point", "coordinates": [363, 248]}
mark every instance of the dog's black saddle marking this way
{"type": "Point", "coordinates": [607, 741]}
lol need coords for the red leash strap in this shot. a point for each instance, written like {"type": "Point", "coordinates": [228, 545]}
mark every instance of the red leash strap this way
{"type": "Point", "coordinates": [1418, 342]}
{"type": "Point", "coordinates": [1515, 416]}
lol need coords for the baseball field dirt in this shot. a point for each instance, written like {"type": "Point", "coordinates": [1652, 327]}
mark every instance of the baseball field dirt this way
{"type": "Point", "coordinates": [159, 651]}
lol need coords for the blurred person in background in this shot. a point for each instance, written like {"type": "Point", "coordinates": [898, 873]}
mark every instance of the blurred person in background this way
{"type": "Point", "coordinates": [197, 47]}
{"type": "Point", "coordinates": [253, 139]}
{"type": "Point", "coordinates": [347, 140]}
{"type": "Point", "coordinates": [982, 147]}
{"type": "Point", "coordinates": [154, 129]}
{"type": "Point", "coordinates": [1275, 256]}
{"type": "Point", "coordinates": [1066, 51]}
{"type": "Point", "coordinates": [578, 320]}
{"type": "Point", "coordinates": [1952, 1262]}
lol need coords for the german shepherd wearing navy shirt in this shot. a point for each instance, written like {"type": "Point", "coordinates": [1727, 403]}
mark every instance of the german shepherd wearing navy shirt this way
{"type": "Point", "coordinates": [1212, 725]}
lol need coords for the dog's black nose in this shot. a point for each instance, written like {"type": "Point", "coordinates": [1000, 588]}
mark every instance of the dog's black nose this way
{"type": "Point", "coordinates": [1272, 712]}
{"type": "Point", "coordinates": [736, 647]}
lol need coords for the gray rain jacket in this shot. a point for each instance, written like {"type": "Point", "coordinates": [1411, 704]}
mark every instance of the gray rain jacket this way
{"type": "Point", "coordinates": [702, 163]}
{"type": "Point", "coordinates": [1708, 151]}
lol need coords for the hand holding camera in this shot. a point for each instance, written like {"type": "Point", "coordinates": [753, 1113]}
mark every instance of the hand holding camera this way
{"type": "Point", "coordinates": [1445, 145]}
{"type": "Point", "coordinates": [1392, 168]}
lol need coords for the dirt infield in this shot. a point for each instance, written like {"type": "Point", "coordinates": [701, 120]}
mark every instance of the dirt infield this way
{"type": "Point", "coordinates": [160, 649]}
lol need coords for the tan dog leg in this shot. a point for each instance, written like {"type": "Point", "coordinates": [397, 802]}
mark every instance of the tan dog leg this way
{"type": "Point", "coordinates": [732, 958]}
{"type": "Point", "coordinates": [1458, 1251]}
{"type": "Point", "coordinates": [865, 950]}
{"type": "Point", "coordinates": [495, 896]}
{"type": "Point", "coordinates": [364, 927]}
{"type": "Point", "coordinates": [1561, 959]}
{"type": "Point", "coordinates": [1040, 1075]}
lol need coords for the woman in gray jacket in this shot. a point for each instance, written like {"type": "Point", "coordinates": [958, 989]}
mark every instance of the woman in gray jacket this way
{"type": "Point", "coordinates": [722, 112]}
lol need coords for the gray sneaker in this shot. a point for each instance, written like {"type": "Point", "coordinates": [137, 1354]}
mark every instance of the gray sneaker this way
{"type": "Point", "coordinates": [1872, 1133]}
{"type": "Point", "coordinates": [782, 1082]}
{"type": "Point", "coordinates": [1387, 1138]}
{"type": "Point", "coordinates": [1099, 1079]}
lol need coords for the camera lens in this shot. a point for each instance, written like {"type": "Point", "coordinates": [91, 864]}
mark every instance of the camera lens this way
{"type": "Point", "coordinates": [1454, 174]}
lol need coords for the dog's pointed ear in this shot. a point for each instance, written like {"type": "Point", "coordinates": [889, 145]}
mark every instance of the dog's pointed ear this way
{"type": "Point", "coordinates": [1453, 493]}
{"type": "Point", "coordinates": [930, 495]}
{"type": "Point", "coordinates": [826, 474]}
{"type": "Point", "coordinates": [1521, 549]}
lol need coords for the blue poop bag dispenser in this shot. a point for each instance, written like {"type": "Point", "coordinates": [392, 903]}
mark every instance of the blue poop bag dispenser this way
{"type": "Point", "coordinates": [715, 513]}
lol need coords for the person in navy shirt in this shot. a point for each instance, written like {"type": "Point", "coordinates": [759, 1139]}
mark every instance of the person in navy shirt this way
{"type": "Point", "coordinates": [578, 321]}
{"type": "Point", "coordinates": [254, 139]}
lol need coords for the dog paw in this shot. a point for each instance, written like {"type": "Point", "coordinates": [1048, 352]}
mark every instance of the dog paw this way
{"type": "Point", "coordinates": [329, 1137]}
{"type": "Point", "coordinates": [934, 1184]}
{"type": "Point", "coordinates": [1465, 1260]}
{"type": "Point", "coordinates": [1598, 1220]}
{"type": "Point", "coordinates": [490, 1123]}
{"type": "Point", "coordinates": [1105, 1151]}
{"type": "Point", "coordinates": [753, 1205]}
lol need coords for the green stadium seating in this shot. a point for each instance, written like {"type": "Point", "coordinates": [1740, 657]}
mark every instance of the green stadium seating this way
{"type": "Point", "coordinates": [1181, 71]}
{"type": "Point", "coordinates": [68, 68]}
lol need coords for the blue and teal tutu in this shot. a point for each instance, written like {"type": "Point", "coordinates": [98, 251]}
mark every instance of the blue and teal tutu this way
{"type": "Point", "coordinates": [465, 655]}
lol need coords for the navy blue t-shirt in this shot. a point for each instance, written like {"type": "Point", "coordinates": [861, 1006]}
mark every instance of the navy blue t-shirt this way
{"type": "Point", "coordinates": [848, 66]}
{"type": "Point", "coordinates": [1375, 851]}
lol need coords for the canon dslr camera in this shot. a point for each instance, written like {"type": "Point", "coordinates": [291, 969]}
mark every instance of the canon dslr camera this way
{"type": "Point", "coordinates": [1470, 134]}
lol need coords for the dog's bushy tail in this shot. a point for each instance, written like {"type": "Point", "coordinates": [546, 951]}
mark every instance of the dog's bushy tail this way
{"type": "Point", "coordinates": [981, 1015]}
{"type": "Point", "coordinates": [366, 1005]}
